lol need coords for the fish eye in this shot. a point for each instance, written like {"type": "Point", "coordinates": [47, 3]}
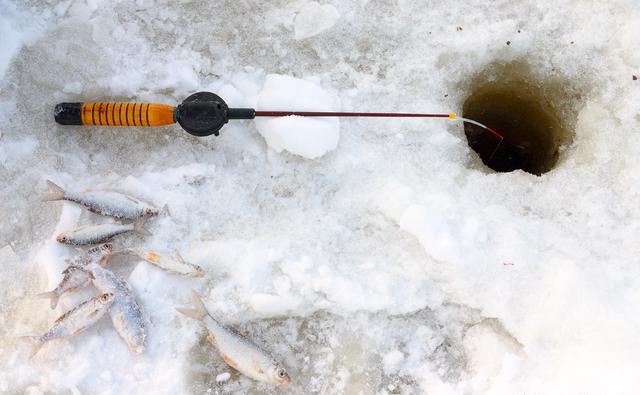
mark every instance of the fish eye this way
{"type": "Point", "coordinates": [281, 373]}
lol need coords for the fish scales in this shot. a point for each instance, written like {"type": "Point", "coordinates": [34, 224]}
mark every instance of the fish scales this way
{"type": "Point", "coordinates": [237, 351]}
{"type": "Point", "coordinates": [125, 312]}
{"type": "Point", "coordinates": [174, 265]}
{"type": "Point", "coordinates": [75, 276]}
{"type": "Point", "coordinates": [77, 319]}
{"type": "Point", "coordinates": [94, 234]}
{"type": "Point", "coordinates": [109, 203]}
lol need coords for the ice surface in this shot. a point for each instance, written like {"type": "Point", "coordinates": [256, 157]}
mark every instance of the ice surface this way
{"type": "Point", "coordinates": [314, 18]}
{"type": "Point", "coordinates": [370, 256]}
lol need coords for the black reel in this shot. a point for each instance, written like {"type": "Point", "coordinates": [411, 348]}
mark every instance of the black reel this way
{"type": "Point", "coordinates": [205, 113]}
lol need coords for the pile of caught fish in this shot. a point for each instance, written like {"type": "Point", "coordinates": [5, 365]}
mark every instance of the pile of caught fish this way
{"type": "Point", "coordinates": [117, 298]}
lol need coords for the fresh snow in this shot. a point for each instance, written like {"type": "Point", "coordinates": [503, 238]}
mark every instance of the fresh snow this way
{"type": "Point", "coordinates": [367, 255]}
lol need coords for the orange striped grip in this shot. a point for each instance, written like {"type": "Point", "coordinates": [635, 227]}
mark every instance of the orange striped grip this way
{"type": "Point", "coordinates": [126, 114]}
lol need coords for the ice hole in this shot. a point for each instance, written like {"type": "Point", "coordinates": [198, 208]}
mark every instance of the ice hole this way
{"type": "Point", "coordinates": [518, 107]}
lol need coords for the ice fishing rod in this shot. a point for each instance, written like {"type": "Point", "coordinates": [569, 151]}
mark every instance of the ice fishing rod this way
{"type": "Point", "coordinates": [203, 114]}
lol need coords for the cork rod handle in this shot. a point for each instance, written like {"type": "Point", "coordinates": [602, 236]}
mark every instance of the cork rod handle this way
{"type": "Point", "coordinates": [114, 114]}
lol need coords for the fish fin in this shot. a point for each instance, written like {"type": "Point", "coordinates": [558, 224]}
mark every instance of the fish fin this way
{"type": "Point", "coordinates": [57, 193]}
{"type": "Point", "coordinates": [179, 257]}
{"type": "Point", "coordinates": [131, 199]}
{"type": "Point", "coordinates": [136, 348]}
{"type": "Point", "coordinates": [36, 348]}
{"type": "Point", "coordinates": [131, 251]}
{"type": "Point", "coordinates": [198, 311]}
{"type": "Point", "coordinates": [50, 295]}
{"type": "Point", "coordinates": [38, 344]}
{"type": "Point", "coordinates": [229, 361]}
{"type": "Point", "coordinates": [192, 313]}
{"type": "Point", "coordinates": [89, 316]}
{"type": "Point", "coordinates": [103, 260]}
{"type": "Point", "coordinates": [151, 257]}
{"type": "Point", "coordinates": [125, 251]}
{"type": "Point", "coordinates": [165, 210]}
{"type": "Point", "coordinates": [139, 228]}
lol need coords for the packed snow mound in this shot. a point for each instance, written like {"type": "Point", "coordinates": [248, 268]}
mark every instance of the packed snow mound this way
{"type": "Point", "coordinates": [304, 136]}
{"type": "Point", "coordinates": [314, 18]}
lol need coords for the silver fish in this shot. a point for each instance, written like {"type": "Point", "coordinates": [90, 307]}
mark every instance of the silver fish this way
{"type": "Point", "coordinates": [77, 319]}
{"type": "Point", "coordinates": [237, 351]}
{"type": "Point", "coordinates": [125, 312]}
{"type": "Point", "coordinates": [92, 254]}
{"type": "Point", "coordinates": [110, 203]}
{"type": "Point", "coordinates": [75, 277]}
{"type": "Point", "coordinates": [94, 234]}
{"type": "Point", "coordinates": [173, 265]}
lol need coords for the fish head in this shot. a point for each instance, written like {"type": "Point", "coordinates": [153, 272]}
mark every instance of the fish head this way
{"type": "Point", "coordinates": [279, 376]}
{"type": "Point", "coordinates": [101, 249]}
{"type": "Point", "coordinates": [107, 298]}
{"type": "Point", "coordinates": [150, 212]}
{"type": "Point", "coordinates": [62, 238]}
{"type": "Point", "coordinates": [105, 248]}
{"type": "Point", "coordinates": [199, 271]}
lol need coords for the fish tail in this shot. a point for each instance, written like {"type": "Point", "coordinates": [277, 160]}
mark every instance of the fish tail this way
{"type": "Point", "coordinates": [165, 210]}
{"type": "Point", "coordinates": [200, 271]}
{"type": "Point", "coordinates": [50, 295]}
{"type": "Point", "coordinates": [136, 348]}
{"type": "Point", "coordinates": [139, 228]}
{"type": "Point", "coordinates": [38, 343]}
{"type": "Point", "coordinates": [198, 311]}
{"type": "Point", "coordinates": [57, 193]}
{"type": "Point", "coordinates": [37, 347]}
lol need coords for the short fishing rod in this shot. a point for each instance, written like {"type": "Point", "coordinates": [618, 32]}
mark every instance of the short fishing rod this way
{"type": "Point", "coordinates": [204, 114]}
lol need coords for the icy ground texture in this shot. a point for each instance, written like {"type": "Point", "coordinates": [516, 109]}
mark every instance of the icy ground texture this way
{"type": "Point", "coordinates": [393, 264]}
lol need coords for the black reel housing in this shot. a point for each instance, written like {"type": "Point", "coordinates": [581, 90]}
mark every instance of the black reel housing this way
{"type": "Point", "coordinates": [205, 113]}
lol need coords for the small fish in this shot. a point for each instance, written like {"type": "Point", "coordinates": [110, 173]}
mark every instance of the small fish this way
{"type": "Point", "coordinates": [126, 314]}
{"type": "Point", "coordinates": [75, 277]}
{"type": "Point", "coordinates": [92, 254]}
{"type": "Point", "coordinates": [77, 319]}
{"type": "Point", "coordinates": [109, 203]}
{"type": "Point", "coordinates": [236, 351]}
{"type": "Point", "coordinates": [175, 265]}
{"type": "Point", "coordinates": [94, 234]}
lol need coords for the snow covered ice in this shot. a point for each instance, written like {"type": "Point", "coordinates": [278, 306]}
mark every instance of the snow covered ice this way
{"type": "Point", "coordinates": [369, 255]}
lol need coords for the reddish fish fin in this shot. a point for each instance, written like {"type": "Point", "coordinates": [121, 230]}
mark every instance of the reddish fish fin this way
{"type": "Point", "coordinates": [52, 296]}
{"type": "Point", "coordinates": [229, 361]}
